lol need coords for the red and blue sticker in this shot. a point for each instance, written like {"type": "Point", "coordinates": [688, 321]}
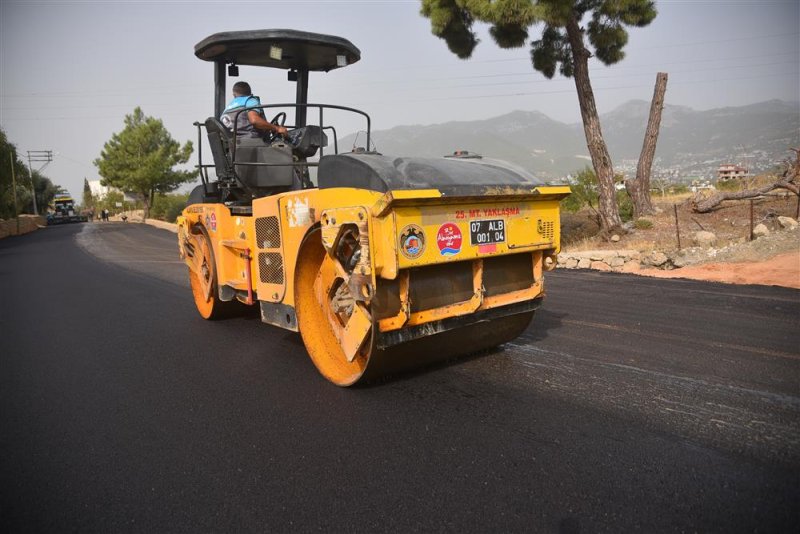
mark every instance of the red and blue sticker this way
{"type": "Point", "coordinates": [412, 241]}
{"type": "Point", "coordinates": [211, 222]}
{"type": "Point", "coordinates": [449, 239]}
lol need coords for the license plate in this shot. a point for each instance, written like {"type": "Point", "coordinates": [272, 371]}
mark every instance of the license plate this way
{"type": "Point", "coordinates": [487, 232]}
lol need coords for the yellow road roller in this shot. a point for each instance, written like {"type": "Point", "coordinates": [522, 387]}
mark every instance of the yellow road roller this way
{"type": "Point", "coordinates": [381, 263]}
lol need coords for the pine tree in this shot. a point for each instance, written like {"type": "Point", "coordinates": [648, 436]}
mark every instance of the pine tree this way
{"type": "Point", "coordinates": [140, 159]}
{"type": "Point", "coordinates": [88, 198]}
{"type": "Point", "coordinates": [562, 47]}
{"type": "Point", "coordinates": [8, 157]}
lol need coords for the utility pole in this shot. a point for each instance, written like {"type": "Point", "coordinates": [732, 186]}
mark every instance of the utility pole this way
{"type": "Point", "coordinates": [39, 156]}
{"type": "Point", "coordinates": [14, 186]}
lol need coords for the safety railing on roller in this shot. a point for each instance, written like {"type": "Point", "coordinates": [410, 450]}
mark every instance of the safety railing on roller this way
{"type": "Point", "coordinates": [303, 163]}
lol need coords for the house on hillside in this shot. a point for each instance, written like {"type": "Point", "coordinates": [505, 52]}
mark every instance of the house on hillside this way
{"type": "Point", "coordinates": [698, 184]}
{"type": "Point", "coordinates": [728, 171]}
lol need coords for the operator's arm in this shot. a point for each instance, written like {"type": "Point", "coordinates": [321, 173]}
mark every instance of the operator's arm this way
{"type": "Point", "coordinates": [261, 123]}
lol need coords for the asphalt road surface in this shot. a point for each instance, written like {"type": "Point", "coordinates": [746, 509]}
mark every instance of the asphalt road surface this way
{"type": "Point", "coordinates": [630, 404]}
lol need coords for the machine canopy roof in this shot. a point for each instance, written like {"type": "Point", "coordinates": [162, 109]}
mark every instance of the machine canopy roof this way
{"type": "Point", "coordinates": [282, 49]}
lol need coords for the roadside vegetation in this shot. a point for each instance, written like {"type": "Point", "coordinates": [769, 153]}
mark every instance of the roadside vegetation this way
{"type": "Point", "coordinates": [165, 207]}
{"type": "Point", "coordinates": [142, 159]}
{"type": "Point", "coordinates": [43, 187]}
{"type": "Point", "coordinates": [773, 194]}
{"type": "Point", "coordinates": [168, 207]}
{"type": "Point", "coordinates": [585, 197]}
{"type": "Point", "coordinates": [676, 222]}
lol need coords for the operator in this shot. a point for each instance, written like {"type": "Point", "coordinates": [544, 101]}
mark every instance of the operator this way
{"type": "Point", "coordinates": [250, 123]}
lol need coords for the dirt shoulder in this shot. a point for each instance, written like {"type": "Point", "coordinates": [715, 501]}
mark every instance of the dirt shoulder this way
{"type": "Point", "coordinates": [772, 258]}
{"type": "Point", "coordinates": [781, 270]}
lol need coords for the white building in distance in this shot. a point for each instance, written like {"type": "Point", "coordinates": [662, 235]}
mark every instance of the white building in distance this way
{"type": "Point", "coordinates": [100, 191]}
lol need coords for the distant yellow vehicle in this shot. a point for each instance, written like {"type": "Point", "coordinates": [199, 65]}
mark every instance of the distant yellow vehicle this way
{"type": "Point", "coordinates": [382, 263]}
{"type": "Point", "coordinates": [63, 211]}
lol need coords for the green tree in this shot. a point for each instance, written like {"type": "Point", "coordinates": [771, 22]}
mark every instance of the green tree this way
{"type": "Point", "coordinates": [7, 152]}
{"type": "Point", "coordinates": [45, 190]}
{"type": "Point", "coordinates": [109, 202]}
{"type": "Point", "coordinates": [562, 47]}
{"type": "Point", "coordinates": [168, 207]}
{"type": "Point", "coordinates": [140, 159]}
{"type": "Point", "coordinates": [88, 200]}
{"type": "Point", "coordinates": [584, 192]}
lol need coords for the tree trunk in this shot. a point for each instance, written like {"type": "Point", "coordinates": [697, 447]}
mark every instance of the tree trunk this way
{"type": "Point", "coordinates": [601, 160]}
{"type": "Point", "coordinates": [789, 180]}
{"type": "Point", "coordinates": [148, 201]}
{"type": "Point", "coordinates": [639, 188]}
{"type": "Point", "coordinates": [704, 205]}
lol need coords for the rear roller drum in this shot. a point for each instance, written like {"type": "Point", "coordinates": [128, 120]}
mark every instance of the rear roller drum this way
{"type": "Point", "coordinates": [324, 311]}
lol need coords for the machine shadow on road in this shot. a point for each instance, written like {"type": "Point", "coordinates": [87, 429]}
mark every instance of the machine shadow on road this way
{"type": "Point", "coordinates": [543, 322]}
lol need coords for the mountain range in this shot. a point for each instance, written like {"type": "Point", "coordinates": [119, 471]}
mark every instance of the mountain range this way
{"type": "Point", "coordinates": [758, 135]}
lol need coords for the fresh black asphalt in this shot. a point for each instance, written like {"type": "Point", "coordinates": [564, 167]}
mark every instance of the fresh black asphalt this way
{"type": "Point", "coordinates": [630, 404]}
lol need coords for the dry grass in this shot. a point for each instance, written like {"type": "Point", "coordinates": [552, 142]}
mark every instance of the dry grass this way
{"type": "Point", "coordinates": [730, 223]}
{"type": "Point", "coordinates": [671, 199]}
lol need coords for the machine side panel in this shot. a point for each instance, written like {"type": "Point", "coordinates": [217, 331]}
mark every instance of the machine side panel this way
{"type": "Point", "coordinates": [231, 236]}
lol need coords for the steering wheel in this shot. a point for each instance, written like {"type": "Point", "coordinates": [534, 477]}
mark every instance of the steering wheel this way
{"type": "Point", "coordinates": [279, 119]}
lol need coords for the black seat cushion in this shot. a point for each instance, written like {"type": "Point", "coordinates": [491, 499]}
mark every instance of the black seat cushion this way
{"type": "Point", "coordinates": [219, 139]}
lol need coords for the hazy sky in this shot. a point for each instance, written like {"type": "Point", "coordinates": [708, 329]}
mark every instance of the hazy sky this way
{"type": "Point", "coordinates": [71, 70]}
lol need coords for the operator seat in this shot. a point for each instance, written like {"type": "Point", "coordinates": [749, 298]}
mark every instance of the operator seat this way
{"type": "Point", "coordinates": [220, 139]}
{"type": "Point", "coordinates": [275, 177]}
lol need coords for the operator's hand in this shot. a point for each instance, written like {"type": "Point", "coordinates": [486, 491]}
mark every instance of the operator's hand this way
{"type": "Point", "coordinates": [281, 130]}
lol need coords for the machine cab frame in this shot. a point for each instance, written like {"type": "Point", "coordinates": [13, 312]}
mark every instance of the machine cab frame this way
{"type": "Point", "coordinates": [248, 168]}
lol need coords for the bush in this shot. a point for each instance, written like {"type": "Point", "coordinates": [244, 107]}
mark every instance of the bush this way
{"type": "Point", "coordinates": [584, 191]}
{"type": "Point", "coordinates": [109, 202]}
{"type": "Point", "coordinates": [643, 224]}
{"type": "Point", "coordinates": [625, 205]}
{"type": "Point", "coordinates": [168, 207]}
{"type": "Point", "coordinates": [730, 185]}
{"type": "Point", "coordinates": [679, 189]}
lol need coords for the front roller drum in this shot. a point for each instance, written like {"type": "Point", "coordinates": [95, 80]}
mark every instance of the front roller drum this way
{"type": "Point", "coordinates": [204, 281]}
{"type": "Point", "coordinates": [322, 327]}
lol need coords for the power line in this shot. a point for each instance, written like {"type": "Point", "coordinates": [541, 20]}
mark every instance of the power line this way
{"type": "Point", "coordinates": [480, 76]}
{"type": "Point", "coordinates": [503, 60]}
{"type": "Point", "coordinates": [731, 40]}
{"type": "Point", "coordinates": [604, 67]}
{"type": "Point", "coordinates": [395, 83]}
{"type": "Point", "coordinates": [466, 97]}
{"type": "Point", "coordinates": [693, 43]}
{"type": "Point", "coordinates": [629, 76]}
{"type": "Point", "coordinates": [572, 90]}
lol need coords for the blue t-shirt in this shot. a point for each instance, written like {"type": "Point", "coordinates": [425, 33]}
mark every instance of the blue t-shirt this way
{"type": "Point", "coordinates": [243, 126]}
{"type": "Point", "coordinates": [244, 102]}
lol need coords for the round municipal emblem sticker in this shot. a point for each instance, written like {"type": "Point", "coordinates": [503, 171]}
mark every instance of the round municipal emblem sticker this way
{"type": "Point", "coordinates": [448, 239]}
{"type": "Point", "coordinates": [412, 241]}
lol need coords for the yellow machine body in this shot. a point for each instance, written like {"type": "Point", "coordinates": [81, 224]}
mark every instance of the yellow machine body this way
{"type": "Point", "coordinates": [380, 262]}
{"type": "Point", "coordinates": [420, 264]}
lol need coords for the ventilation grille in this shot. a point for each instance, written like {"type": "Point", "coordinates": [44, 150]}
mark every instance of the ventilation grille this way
{"type": "Point", "coordinates": [270, 268]}
{"type": "Point", "coordinates": [546, 228]}
{"type": "Point", "coordinates": [268, 232]}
